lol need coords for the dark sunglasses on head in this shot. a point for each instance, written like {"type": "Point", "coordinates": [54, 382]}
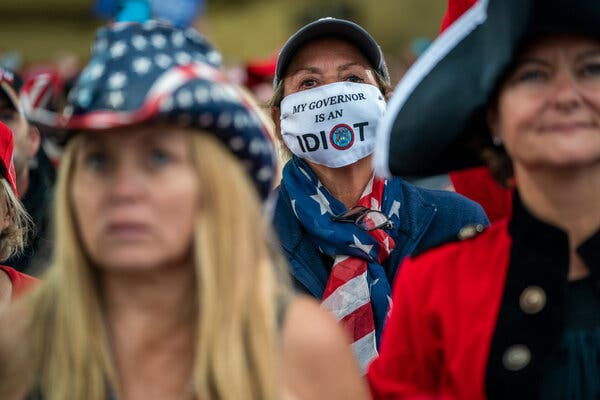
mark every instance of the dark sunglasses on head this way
{"type": "Point", "coordinates": [365, 218]}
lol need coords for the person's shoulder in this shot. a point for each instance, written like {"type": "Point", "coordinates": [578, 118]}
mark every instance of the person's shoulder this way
{"type": "Point", "coordinates": [12, 273]}
{"type": "Point", "coordinates": [428, 283]}
{"type": "Point", "coordinates": [454, 211]}
{"type": "Point", "coordinates": [318, 362]}
{"type": "Point", "coordinates": [471, 243]}
{"type": "Point", "coordinates": [20, 281]}
{"type": "Point", "coordinates": [445, 198]}
{"type": "Point", "coordinates": [436, 197]}
{"type": "Point", "coordinates": [322, 333]}
{"type": "Point", "coordinates": [6, 289]}
{"type": "Point", "coordinates": [284, 221]}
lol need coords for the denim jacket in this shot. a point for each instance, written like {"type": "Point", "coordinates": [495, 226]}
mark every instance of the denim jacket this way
{"type": "Point", "coordinates": [428, 218]}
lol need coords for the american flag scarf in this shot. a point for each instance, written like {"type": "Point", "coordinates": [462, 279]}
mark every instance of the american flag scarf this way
{"type": "Point", "coordinates": [358, 290]}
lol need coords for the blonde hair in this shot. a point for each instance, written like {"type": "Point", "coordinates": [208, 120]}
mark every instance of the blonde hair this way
{"type": "Point", "coordinates": [238, 294]}
{"type": "Point", "coordinates": [14, 237]}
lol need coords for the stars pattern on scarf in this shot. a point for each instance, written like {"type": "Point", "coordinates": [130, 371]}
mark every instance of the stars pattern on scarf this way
{"type": "Point", "coordinates": [324, 205]}
{"type": "Point", "coordinates": [394, 209]}
{"type": "Point", "coordinates": [386, 243]}
{"type": "Point", "coordinates": [365, 248]}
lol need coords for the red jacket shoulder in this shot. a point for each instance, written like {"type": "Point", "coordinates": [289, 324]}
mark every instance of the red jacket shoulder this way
{"type": "Point", "coordinates": [20, 281]}
{"type": "Point", "coordinates": [467, 253]}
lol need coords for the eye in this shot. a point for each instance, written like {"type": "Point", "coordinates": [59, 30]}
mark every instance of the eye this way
{"type": "Point", "coordinates": [591, 70]}
{"type": "Point", "coordinates": [159, 157]}
{"type": "Point", "coordinates": [354, 78]}
{"type": "Point", "coordinates": [530, 75]}
{"type": "Point", "coordinates": [95, 161]}
{"type": "Point", "coordinates": [308, 83]}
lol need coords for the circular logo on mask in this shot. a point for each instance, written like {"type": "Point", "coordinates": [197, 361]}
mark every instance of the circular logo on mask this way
{"type": "Point", "coordinates": [341, 137]}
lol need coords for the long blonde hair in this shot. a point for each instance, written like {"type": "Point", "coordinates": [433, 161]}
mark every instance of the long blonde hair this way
{"type": "Point", "coordinates": [240, 286]}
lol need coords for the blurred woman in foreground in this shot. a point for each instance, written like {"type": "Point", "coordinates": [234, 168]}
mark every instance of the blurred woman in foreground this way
{"type": "Point", "coordinates": [164, 284]}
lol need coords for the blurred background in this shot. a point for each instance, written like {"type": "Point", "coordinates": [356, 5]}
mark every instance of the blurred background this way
{"type": "Point", "coordinates": [37, 33]}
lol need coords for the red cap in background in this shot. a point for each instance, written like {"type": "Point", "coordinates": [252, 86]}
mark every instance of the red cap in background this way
{"type": "Point", "coordinates": [260, 70]}
{"type": "Point", "coordinates": [6, 156]}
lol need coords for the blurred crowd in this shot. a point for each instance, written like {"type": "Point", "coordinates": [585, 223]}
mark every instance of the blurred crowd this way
{"type": "Point", "coordinates": [317, 224]}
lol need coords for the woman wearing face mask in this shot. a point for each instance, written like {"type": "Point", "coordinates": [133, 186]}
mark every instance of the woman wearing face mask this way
{"type": "Point", "coordinates": [514, 311]}
{"type": "Point", "coordinates": [164, 284]}
{"type": "Point", "coordinates": [343, 230]}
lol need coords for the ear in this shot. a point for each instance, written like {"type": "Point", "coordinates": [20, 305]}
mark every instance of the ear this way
{"type": "Point", "coordinates": [34, 141]}
{"type": "Point", "coordinates": [276, 117]}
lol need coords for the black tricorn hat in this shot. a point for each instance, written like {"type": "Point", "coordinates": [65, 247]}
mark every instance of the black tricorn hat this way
{"type": "Point", "coordinates": [439, 105]}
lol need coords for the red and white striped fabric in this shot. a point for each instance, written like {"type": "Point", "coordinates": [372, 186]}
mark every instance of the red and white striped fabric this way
{"type": "Point", "coordinates": [347, 293]}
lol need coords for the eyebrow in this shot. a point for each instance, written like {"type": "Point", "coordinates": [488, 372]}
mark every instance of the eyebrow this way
{"type": "Point", "coordinates": [312, 70]}
{"type": "Point", "coordinates": [579, 58]}
{"type": "Point", "coordinates": [349, 65]}
{"type": "Point", "coordinates": [587, 54]}
{"type": "Point", "coordinates": [315, 70]}
{"type": "Point", "coordinates": [530, 60]}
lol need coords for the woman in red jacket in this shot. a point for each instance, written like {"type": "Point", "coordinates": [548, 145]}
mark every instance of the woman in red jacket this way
{"type": "Point", "coordinates": [514, 311]}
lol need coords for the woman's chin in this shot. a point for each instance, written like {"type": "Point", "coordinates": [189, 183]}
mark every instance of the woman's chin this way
{"type": "Point", "coordinates": [133, 262]}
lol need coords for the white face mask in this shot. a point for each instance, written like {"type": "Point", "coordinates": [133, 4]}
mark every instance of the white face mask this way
{"type": "Point", "coordinates": [332, 125]}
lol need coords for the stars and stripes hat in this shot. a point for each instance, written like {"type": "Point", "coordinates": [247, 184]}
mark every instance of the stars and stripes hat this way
{"type": "Point", "coordinates": [140, 72]}
{"type": "Point", "coordinates": [438, 108]}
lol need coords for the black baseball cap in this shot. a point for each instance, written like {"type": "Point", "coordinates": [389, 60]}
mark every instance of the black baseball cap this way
{"type": "Point", "coordinates": [332, 27]}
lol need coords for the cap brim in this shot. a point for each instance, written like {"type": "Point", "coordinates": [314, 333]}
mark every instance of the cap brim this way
{"type": "Point", "coordinates": [330, 27]}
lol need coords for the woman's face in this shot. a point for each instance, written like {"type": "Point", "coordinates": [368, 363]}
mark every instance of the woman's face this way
{"type": "Point", "coordinates": [325, 61]}
{"type": "Point", "coordinates": [548, 109]}
{"type": "Point", "coordinates": [134, 193]}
